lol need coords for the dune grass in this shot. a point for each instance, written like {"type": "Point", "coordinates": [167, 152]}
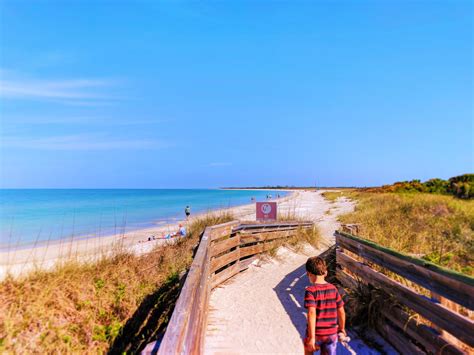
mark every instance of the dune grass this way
{"type": "Point", "coordinates": [84, 308]}
{"type": "Point", "coordinates": [332, 195]}
{"type": "Point", "coordinates": [438, 228]}
{"type": "Point", "coordinates": [311, 236]}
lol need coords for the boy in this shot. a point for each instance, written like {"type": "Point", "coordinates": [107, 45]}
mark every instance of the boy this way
{"type": "Point", "coordinates": [326, 317]}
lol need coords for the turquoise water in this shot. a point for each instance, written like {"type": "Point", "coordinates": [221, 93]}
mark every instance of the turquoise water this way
{"type": "Point", "coordinates": [39, 215]}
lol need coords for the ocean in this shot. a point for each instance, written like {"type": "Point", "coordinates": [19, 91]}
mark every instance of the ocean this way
{"type": "Point", "coordinates": [29, 216]}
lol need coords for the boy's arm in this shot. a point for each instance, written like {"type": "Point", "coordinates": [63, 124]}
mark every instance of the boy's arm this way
{"type": "Point", "coordinates": [310, 342]}
{"type": "Point", "coordinates": [312, 324]}
{"type": "Point", "coordinates": [310, 304]}
{"type": "Point", "coordinates": [341, 320]}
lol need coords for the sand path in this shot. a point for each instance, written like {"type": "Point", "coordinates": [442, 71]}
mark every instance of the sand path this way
{"type": "Point", "coordinates": [260, 310]}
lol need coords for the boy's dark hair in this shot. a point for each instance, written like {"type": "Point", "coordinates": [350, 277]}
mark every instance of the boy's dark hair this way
{"type": "Point", "coordinates": [316, 266]}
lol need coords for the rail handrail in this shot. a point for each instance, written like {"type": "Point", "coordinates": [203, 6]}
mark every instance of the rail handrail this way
{"type": "Point", "coordinates": [355, 258]}
{"type": "Point", "coordinates": [224, 251]}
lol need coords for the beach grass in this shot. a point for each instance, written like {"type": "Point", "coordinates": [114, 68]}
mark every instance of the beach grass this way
{"type": "Point", "coordinates": [117, 304]}
{"type": "Point", "coordinates": [438, 228]}
{"type": "Point", "coordinates": [311, 236]}
{"type": "Point", "coordinates": [333, 195]}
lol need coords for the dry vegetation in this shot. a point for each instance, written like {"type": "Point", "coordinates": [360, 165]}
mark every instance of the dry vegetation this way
{"type": "Point", "coordinates": [333, 195]}
{"type": "Point", "coordinates": [438, 228]}
{"type": "Point", "coordinates": [116, 305]}
{"type": "Point", "coordinates": [311, 236]}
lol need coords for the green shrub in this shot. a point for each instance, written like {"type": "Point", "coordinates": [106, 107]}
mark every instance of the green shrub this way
{"type": "Point", "coordinates": [461, 186]}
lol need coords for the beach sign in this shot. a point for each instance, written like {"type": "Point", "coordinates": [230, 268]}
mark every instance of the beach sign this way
{"type": "Point", "coordinates": [266, 211]}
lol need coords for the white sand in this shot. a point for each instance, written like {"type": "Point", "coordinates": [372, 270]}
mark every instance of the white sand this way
{"type": "Point", "coordinates": [21, 261]}
{"type": "Point", "coordinates": [261, 309]}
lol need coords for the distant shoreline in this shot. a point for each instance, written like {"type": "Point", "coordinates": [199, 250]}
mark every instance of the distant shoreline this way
{"type": "Point", "coordinates": [102, 212]}
{"type": "Point", "coordinates": [280, 188]}
{"type": "Point", "coordinates": [169, 223]}
{"type": "Point", "coordinates": [89, 248]}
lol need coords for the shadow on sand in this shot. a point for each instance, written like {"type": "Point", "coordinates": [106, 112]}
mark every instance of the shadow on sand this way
{"type": "Point", "coordinates": [149, 321]}
{"type": "Point", "coordinates": [290, 291]}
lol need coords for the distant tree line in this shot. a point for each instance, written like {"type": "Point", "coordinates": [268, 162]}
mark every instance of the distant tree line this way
{"type": "Point", "coordinates": [461, 186]}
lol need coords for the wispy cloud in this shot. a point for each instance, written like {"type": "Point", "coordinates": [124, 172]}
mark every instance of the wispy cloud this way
{"type": "Point", "coordinates": [81, 91]}
{"type": "Point", "coordinates": [219, 164]}
{"type": "Point", "coordinates": [81, 142]}
{"type": "Point", "coordinates": [59, 119]}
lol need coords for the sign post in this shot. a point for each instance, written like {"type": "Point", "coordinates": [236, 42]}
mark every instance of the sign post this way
{"type": "Point", "coordinates": [266, 211]}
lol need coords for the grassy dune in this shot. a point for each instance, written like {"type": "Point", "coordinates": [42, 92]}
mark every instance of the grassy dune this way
{"type": "Point", "coordinates": [438, 228]}
{"type": "Point", "coordinates": [334, 195]}
{"type": "Point", "coordinates": [118, 304]}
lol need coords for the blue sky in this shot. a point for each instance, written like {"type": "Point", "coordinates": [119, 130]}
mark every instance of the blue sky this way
{"type": "Point", "coordinates": [207, 94]}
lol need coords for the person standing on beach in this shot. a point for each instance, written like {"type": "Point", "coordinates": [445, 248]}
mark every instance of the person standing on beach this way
{"type": "Point", "coordinates": [187, 211]}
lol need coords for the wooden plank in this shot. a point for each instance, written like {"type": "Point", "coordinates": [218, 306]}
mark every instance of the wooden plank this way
{"type": "Point", "coordinates": [252, 250]}
{"type": "Point", "coordinates": [269, 230]}
{"type": "Point", "coordinates": [398, 340]}
{"type": "Point", "coordinates": [226, 274]}
{"type": "Point", "coordinates": [270, 245]}
{"type": "Point", "coordinates": [221, 261]}
{"type": "Point", "coordinates": [446, 286]}
{"type": "Point", "coordinates": [423, 334]}
{"type": "Point", "coordinates": [252, 238]}
{"type": "Point", "coordinates": [346, 280]}
{"type": "Point", "coordinates": [196, 329]}
{"type": "Point", "coordinates": [223, 245]}
{"type": "Point", "coordinates": [173, 340]}
{"type": "Point", "coordinates": [244, 264]}
{"type": "Point", "coordinates": [459, 326]}
{"type": "Point", "coordinates": [246, 226]}
{"type": "Point", "coordinates": [222, 230]}
{"type": "Point", "coordinates": [417, 261]}
{"type": "Point", "coordinates": [351, 228]}
{"type": "Point", "coordinates": [266, 228]}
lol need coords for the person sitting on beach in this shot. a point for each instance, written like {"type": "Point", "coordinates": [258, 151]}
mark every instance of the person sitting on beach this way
{"type": "Point", "coordinates": [326, 316]}
{"type": "Point", "coordinates": [181, 232]}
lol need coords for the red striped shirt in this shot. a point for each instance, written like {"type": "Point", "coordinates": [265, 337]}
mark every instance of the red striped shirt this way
{"type": "Point", "coordinates": [326, 299]}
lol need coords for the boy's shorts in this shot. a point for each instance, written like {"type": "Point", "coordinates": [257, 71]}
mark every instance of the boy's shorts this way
{"type": "Point", "coordinates": [327, 344]}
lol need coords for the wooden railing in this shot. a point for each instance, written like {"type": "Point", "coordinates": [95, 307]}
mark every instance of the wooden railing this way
{"type": "Point", "coordinates": [447, 332]}
{"type": "Point", "coordinates": [224, 251]}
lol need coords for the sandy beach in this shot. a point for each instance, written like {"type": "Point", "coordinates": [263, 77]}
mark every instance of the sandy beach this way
{"type": "Point", "coordinates": [44, 256]}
